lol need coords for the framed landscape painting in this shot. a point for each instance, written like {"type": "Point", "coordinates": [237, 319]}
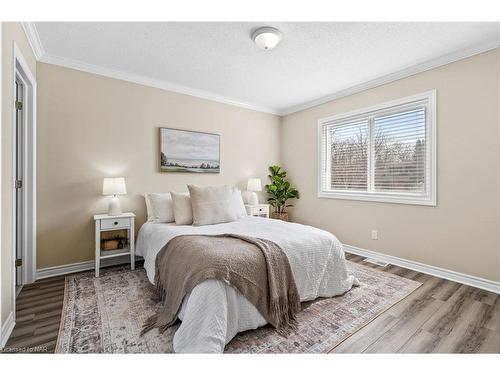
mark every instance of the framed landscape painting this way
{"type": "Point", "coordinates": [189, 151]}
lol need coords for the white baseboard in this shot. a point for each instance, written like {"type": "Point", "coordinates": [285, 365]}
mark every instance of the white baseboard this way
{"type": "Point", "coordinates": [7, 329]}
{"type": "Point", "coordinates": [65, 269]}
{"type": "Point", "coordinates": [477, 282]}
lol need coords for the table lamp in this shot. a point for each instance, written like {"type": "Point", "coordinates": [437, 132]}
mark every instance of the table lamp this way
{"type": "Point", "coordinates": [253, 185]}
{"type": "Point", "coordinates": [114, 186]}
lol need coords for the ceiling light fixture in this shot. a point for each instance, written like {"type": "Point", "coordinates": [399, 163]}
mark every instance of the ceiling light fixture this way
{"type": "Point", "coordinates": [267, 37]}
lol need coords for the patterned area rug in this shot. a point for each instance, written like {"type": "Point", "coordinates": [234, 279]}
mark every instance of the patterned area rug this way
{"type": "Point", "coordinates": [105, 315]}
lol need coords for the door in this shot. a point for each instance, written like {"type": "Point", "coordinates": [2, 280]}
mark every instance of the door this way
{"type": "Point", "coordinates": [19, 165]}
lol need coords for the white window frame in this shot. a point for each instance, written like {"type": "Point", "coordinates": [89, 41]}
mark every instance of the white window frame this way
{"type": "Point", "coordinates": [429, 198]}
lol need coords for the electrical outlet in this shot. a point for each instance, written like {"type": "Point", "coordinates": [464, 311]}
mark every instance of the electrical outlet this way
{"type": "Point", "coordinates": [374, 234]}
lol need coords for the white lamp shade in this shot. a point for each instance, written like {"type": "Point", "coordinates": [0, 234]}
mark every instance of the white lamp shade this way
{"type": "Point", "coordinates": [114, 186]}
{"type": "Point", "coordinates": [254, 184]}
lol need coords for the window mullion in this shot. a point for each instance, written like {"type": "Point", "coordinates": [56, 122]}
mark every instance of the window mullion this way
{"type": "Point", "coordinates": [371, 155]}
{"type": "Point", "coordinates": [328, 156]}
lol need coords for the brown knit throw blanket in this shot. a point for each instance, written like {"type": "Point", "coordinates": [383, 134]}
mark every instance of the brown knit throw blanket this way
{"type": "Point", "coordinates": [257, 268]}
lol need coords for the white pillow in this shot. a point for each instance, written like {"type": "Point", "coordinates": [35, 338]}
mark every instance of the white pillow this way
{"type": "Point", "coordinates": [159, 207]}
{"type": "Point", "coordinates": [238, 201]}
{"type": "Point", "coordinates": [183, 212]}
{"type": "Point", "coordinates": [215, 204]}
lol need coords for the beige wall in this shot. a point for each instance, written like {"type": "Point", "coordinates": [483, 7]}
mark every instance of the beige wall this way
{"type": "Point", "coordinates": [12, 31]}
{"type": "Point", "coordinates": [461, 233]}
{"type": "Point", "coordinates": [90, 127]}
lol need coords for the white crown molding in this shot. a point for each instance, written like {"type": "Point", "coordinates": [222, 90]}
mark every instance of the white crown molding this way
{"type": "Point", "coordinates": [33, 39]}
{"type": "Point", "coordinates": [412, 70]}
{"type": "Point", "coordinates": [145, 81]}
{"type": "Point", "coordinates": [477, 282]}
{"type": "Point", "coordinates": [65, 269]}
{"type": "Point", "coordinates": [43, 56]}
{"type": "Point", "coordinates": [6, 330]}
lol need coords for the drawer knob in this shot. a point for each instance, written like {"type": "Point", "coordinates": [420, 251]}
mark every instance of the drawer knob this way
{"type": "Point", "coordinates": [116, 222]}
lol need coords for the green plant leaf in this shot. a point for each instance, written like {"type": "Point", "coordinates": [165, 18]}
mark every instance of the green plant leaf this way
{"type": "Point", "coordinates": [279, 190]}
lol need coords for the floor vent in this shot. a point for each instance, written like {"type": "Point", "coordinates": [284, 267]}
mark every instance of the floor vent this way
{"type": "Point", "coordinates": [377, 262]}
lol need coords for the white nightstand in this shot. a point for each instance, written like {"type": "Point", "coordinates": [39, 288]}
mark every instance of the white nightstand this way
{"type": "Point", "coordinates": [257, 210]}
{"type": "Point", "coordinates": [105, 223]}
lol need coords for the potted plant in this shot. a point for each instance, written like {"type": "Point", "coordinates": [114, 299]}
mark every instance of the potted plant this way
{"type": "Point", "coordinates": [280, 191]}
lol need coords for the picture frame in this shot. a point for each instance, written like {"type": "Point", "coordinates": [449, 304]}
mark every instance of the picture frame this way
{"type": "Point", "coordinates": [187, 151]}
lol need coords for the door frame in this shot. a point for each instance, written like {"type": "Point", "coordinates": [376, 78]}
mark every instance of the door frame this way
{"type": "Point", "coordinates": [1, 126]}
{"type": "Point", "coordinates": [22, 70]}
{"type": "Point", "coordinates": [19, 78]}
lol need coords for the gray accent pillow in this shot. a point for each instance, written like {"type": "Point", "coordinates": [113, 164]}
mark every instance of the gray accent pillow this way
{"type": "Point", "coordinates": [215, 204]}
{"type": "Point", "coordinates": [183, 213]}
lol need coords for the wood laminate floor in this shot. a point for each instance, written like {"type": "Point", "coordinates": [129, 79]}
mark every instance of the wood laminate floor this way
{"type": "Point", "coordinates": [38, 315]}
{"type": "Point", "coordinates": [439, 317]}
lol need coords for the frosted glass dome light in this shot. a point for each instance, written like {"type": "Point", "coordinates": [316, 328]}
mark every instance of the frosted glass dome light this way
{"type": "Point", "coordinates": [266, 38]}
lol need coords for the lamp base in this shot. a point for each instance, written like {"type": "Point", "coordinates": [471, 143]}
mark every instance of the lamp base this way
{"type": "Point", "coordinates": [114, 207]}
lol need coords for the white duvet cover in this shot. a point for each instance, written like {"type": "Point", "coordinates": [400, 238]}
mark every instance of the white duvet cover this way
{"type": "Point", "coordinates": [214, 312]}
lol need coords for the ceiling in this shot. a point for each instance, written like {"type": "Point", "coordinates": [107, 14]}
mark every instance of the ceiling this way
{"type": "Point", "coordinates": [315, 61]}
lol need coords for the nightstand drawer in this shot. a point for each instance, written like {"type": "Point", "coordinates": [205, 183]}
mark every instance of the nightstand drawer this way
{"type": "Point", "coordinates": [115, 223]}
{"type": "Point", "coordinates": [257, 210]}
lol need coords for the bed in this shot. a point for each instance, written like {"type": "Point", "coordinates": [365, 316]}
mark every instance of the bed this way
{"type": "Point", "coordinates": [214, 312]}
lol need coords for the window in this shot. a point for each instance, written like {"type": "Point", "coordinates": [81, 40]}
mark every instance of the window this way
{"type": "Point", "coordinates": [384, 153]}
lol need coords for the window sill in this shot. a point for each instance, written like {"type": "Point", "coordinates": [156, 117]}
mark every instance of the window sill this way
{"type": "Point", "coordinates": [384, 198]}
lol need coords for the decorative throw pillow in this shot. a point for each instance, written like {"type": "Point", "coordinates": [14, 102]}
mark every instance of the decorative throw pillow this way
{"type": "Point", "coordinates": [183, 212]}
{"type": "Point", "coordinates": [238, 201]}
{"type": "Point", "coordinates": [159, 207]}
{"type": "Point", "coordinates": [215, 204]}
